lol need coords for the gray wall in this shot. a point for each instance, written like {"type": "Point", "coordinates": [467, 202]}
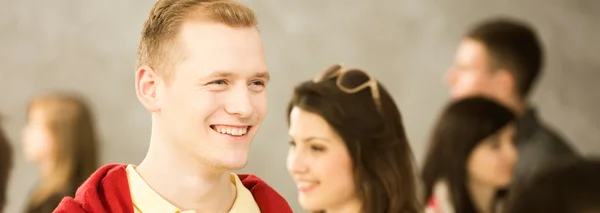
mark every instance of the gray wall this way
{"type": "Point", "coordinates": [89, 46]}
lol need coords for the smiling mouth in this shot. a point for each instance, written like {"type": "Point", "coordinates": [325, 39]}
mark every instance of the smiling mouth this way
{"type": "Point", "coordinates": [306, 186]}
{"type": "Point", "coordinates": [236, 131]}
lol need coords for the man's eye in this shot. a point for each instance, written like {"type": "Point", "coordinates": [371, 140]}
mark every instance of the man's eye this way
{"type": "Point", "coordinates": [219, 82]}
{"type": "Point", "coordinates": [258, 83]}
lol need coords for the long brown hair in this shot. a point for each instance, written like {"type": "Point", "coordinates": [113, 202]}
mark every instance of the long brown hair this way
{"type": "Point", "coordinates": [5, 166]}
{"type": "Point", "coordinates": [372, 130]}
{"type": "Point", "coordinates": [71, 125]}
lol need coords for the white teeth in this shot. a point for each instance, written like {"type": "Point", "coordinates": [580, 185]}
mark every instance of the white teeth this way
{"type": "Point", "coordinates": [305, 184]}
{"type": "Point", "coordinates": [231, 130]}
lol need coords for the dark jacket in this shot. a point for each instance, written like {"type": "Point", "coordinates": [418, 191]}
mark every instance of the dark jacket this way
{"type": "Point", "coordinates": [538, 146]}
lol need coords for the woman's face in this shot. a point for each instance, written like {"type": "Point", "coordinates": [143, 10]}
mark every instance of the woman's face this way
{"type": "Point", "coordinates": [319, 163]}
{"type": "Point", "coordinates": [37, 139]}
{"type": "Point", "coordinates": [492, 162]}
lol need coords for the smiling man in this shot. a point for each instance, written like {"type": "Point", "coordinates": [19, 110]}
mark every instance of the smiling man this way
{"type": "Point", "coordinates": [202, 74]}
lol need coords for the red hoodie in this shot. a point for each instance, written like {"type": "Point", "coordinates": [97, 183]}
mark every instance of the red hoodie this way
{"type": "Point", "coordinates": [107, 190]}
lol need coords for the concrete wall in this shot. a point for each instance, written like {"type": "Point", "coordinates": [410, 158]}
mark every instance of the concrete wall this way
{"type": "Point", "coordinates": [89, 46]}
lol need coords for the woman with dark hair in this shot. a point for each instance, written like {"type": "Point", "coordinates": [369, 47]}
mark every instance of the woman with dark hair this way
{"type": "Point", "coordinates": [471, 157]}
{"type": "Point", "coordinates": [349, 152]}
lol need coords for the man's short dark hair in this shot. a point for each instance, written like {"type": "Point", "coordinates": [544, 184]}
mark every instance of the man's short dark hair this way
{"type": "Point", "coordinates": [514, 46]}
{"type": "Point", "coordinates": [570, 186]}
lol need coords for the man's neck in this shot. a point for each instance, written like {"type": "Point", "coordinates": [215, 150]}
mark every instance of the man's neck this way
{"type": "Point", "coordinates": [482, 196]}
{"type": "Point", "coordinates": [184, 181]}
{"type": "Point", "coordinates": [515, 104]}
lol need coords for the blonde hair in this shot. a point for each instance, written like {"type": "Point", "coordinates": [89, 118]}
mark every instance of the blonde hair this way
{"type": "Point", "coordinates": [157, 47]}
{"type": "Point", "coordinates": [71, 126]}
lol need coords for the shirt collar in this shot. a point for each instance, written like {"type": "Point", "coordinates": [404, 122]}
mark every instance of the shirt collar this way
{"type": "Point", "coordinates": [145, 199]}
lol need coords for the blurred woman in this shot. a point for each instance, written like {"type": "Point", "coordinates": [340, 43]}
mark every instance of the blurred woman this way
{"type": "Point", "coordinates": [5, 167]}
{"type": "Point", "coordinates": [349, 152]}
{"type": "Point", "coordinates": [60, 140]}
{"type": "Point", "coordinates": [471, 157]}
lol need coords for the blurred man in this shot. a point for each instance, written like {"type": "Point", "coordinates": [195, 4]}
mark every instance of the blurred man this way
{"type": "Point", "coordinates": [202, 74]}
{"type": "Point", "coordinates": [502, 59]}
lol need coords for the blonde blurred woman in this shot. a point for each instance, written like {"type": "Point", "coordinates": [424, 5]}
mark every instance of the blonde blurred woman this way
{"type": "Point", "coordinates": [60, 139]}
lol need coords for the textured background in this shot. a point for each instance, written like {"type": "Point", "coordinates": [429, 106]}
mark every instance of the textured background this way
{"type": "Point", "coordinates": [89, 46]}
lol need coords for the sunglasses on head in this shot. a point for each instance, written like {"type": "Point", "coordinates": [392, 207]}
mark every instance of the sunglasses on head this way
{"type": "Point", "coordinates": [340, 72]}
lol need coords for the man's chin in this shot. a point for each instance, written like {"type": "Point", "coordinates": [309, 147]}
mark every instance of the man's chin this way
{"type": "Point", "coordinates": [235, 166]}
{"type": "Point", "coordinates": [458, 95]}
{"type": "Point", "coordinates": [235, 163]}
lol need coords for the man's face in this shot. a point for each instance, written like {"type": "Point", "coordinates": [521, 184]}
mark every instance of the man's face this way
{"type": "Point", "coordinates": [471, 73]}
{"type": "Point", "coordinates": [215, 100]}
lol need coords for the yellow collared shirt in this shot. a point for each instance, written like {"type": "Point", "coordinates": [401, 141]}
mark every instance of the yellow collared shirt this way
{"type": "Point", "coordinates": [146, 200]}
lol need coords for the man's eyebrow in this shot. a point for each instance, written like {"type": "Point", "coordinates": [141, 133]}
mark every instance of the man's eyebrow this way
{"type": "Point", "coordinates": [222, 74]}
{"type": "Point", "coordinates": [264, 74]}
{"type": "Point", "coordinates": [230, 74]}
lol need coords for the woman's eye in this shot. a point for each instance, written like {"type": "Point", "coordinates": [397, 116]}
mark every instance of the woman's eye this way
{"type": "Point", "coordinates": [495, 145]}
{"type": "Point", "coordinates": [317, 148]}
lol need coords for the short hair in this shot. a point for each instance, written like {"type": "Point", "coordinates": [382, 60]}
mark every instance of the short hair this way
{"type": "Point", "coordinates": [162, 27]}
{"type": "Point", "coordinates": [514, 46]}
{"type": "Point", "coordinates": [463, 125]}
{"type": "Point", "coordinates": [5, 166]}
{"type": "Point", "coordinates": [571, 186]}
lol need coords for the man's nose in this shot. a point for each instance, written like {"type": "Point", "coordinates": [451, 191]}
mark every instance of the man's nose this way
{"type": "Point", "coordinates": [239, 102]}
{"type": "Point", "coordinates": [450, 77]}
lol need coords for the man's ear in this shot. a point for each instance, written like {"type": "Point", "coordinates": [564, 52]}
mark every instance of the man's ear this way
{"type": "Point", "coordinates": [505, 82]}
{"type": "Point", "coordinates": [145, 88]}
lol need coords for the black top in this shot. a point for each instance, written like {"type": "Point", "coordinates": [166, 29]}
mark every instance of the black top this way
{"type": "Point", "coordinates": [538, 146]}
